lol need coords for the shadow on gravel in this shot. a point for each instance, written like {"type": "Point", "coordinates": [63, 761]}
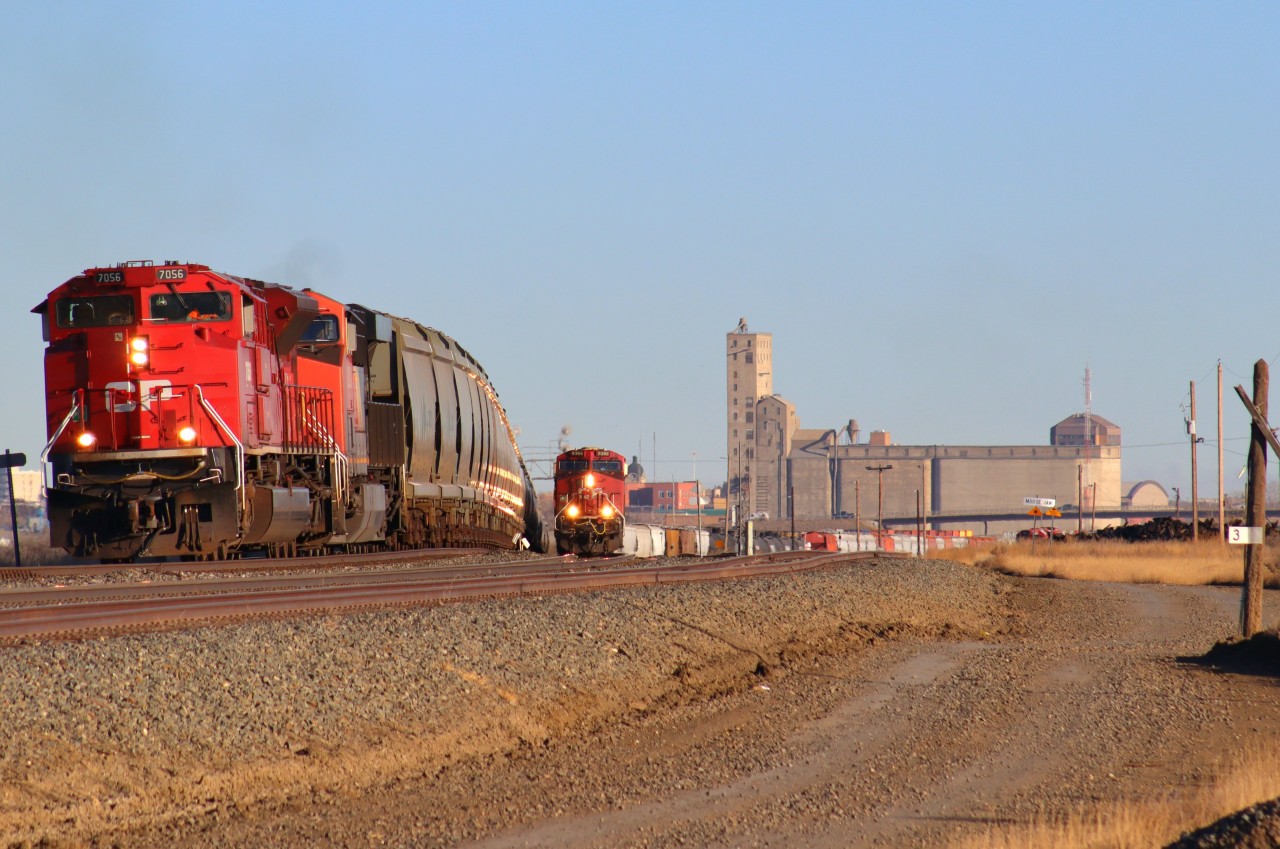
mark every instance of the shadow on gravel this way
{"type": "Point", "coordinates": [1258, 655]}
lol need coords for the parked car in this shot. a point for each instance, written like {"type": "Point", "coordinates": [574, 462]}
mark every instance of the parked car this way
{"type": "Point", "coordinates": [1042, 533]}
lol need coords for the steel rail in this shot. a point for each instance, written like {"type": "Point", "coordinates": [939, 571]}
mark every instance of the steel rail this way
{"type": "Point", "coordinates": [246, 583]}
{"type": "Point", "coordinates": [262, 564]}
{"type": "Point", "coordinates": [78, 620]}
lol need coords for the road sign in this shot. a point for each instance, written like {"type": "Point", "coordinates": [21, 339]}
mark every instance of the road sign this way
{"type": "Point", "coordinates": [1244, 536]}
{"type": "Point", "coordinates": [1040, 502]}
{"type": "Point", "coordinates": [8, 460]}
{"type": "Point", "coordinates": [1034, 511]}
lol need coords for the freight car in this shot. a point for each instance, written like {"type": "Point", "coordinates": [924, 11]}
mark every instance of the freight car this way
{"type": "Point", "coordinates": [590, 493]}
{"type": "Point", "coordinates": [198, 414]}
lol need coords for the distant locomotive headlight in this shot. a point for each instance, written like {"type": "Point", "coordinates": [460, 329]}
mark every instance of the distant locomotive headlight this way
{"type": "Point", "coordinates": [187, 434]}
{"type": "Point", "coordinates": [139, 350]}
{"type": "Point", "coordinates": [572, 511]}
{"type": "Point", "coordinates": [86, 439]}
{"type": "Point", "coordinates": [606, 511]}
{"type": "Point", "coordinates": [590, 479]}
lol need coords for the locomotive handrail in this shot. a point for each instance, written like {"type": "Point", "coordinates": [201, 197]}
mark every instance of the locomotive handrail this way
{"type": "Point", "coordinates": [340, 460]}
{"type": "Point", "coordinates": [213, 414]}
{"type": "Point", "coordinates": [44, 455]}
{"type": "Point", "coordinates": [315, 424]}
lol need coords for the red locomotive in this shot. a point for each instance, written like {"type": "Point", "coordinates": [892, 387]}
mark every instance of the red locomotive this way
{"type": "Point", "coordinates": [590, 493]}
{"type": "Point", "coordinates": [199, 414]}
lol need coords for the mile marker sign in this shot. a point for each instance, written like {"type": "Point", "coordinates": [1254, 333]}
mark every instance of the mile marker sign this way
{"type": "Point", "coordinates": [1237, 535]}
{"type": "Point", "coordinates": [1040, 502]}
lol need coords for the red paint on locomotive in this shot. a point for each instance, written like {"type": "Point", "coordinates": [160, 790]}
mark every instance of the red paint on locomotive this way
{"type": "Point", "coordinates": [196, 413]}
{"type": "Point", "coordinates": [590, 494]}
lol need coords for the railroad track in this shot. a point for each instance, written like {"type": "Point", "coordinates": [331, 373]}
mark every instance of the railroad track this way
{"type": "Point", "coordinates": [78, 612]}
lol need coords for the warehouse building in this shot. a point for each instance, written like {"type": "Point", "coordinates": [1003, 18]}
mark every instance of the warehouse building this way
{"type": "Point", "coordinates": [779, 469]}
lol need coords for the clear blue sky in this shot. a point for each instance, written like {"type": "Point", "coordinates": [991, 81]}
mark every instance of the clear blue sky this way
{"type": "Point", "coordinates": [943, 212]}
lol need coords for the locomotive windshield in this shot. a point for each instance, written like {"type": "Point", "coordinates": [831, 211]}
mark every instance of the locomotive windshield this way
{"type": "Point", "coordinates": [568, 467]}
{"type": "Point", "coordinates": [99, 311]}
{"type": "Point", "coordinates": [609, 467]}
{"type": "Point", "coordinates": [177, 306]}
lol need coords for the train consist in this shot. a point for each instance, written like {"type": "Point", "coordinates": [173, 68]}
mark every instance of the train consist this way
{"type": "Point", "coordinates": [589, 496]}
{"type": "Point", "coordinates": [197, 414]}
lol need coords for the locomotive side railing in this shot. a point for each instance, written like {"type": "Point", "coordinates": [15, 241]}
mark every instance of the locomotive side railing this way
{"type": "Point", "coordinates": [44, 455]}
{"type": "Point", "coordinates": [213, 414]}
{"type": "Point", "coordinates": [309, 426]}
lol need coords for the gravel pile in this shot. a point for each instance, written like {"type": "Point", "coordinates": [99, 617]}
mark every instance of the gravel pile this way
{"type": "Point", "coordinates": [1257, 827]}
{"type": "Point", "coordinates": [164, 731]}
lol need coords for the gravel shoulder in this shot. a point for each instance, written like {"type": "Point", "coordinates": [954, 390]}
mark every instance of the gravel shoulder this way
{"type": "Point", "coordinates": [890, 703]}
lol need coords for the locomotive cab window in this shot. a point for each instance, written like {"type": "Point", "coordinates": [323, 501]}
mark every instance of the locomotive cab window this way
{"type": "Point", "coordinates": [609, 467]}
{"type": "Point", "coordinates": [179, 307]}
{"type": "Point", "coordinates": [570, 466]}
{"type": "Point", "coordinates": [100, 311]}
{"type": "Point", "coordinates": [322, 330]}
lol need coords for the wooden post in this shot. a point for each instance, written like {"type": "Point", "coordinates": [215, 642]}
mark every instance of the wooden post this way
{"type": "Point", "coordinates": [1256, 505]}
{"type": "Point", "coordinates": [1195, 489]}
{"type": "Point", "coordinates": [1222, 510]}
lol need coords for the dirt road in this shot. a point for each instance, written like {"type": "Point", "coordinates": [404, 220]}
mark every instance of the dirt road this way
{"type": "Point", "coordinates": [913, 727]}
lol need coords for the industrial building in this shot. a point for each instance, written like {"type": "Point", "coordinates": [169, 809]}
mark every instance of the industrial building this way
{"type": "Point", "coordinates": [779, 469]}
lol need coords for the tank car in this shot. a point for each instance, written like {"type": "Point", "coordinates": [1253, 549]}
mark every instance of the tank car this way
{"type": "Point", "coordinates": [203, 415]}
{"type": "Point", "coordinates": [590, 494]}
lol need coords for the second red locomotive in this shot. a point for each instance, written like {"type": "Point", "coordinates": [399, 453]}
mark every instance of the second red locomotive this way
{"type": "Point", "coordinates": [590, 492]}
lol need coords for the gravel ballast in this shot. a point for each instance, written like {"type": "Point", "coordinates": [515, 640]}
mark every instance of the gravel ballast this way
{"type": "Point", "coordinates": [888, 703]}
{"type": "Point", "coordinates": [169, 727]}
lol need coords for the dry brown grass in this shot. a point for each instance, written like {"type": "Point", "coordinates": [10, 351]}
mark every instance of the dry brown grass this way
{"type": "Point", "coordinates": [35, 550]}
{"type": "Point", "coordinates": [1202, 562]}
{"type": "Point", "coordinates": [1252, 777]}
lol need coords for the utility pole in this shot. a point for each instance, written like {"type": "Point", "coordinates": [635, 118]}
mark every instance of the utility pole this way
{"type": "Point", "coordinates": [919, 526]}
{"type": "Point", "coordinates": [857, 510]}
{"type": "Point", "coordinates": [1079, 499]}
{"type": "Point", "coordinates": [1222, 513]}
{"type": "Point", "coordinates": [880, 470]}
{"type": "Point", "coordinates": [791, 508]}
{"type": "Point", "coordinates": [1195, 491]}
{"type": "Point", "coordinates": [1256, 501]}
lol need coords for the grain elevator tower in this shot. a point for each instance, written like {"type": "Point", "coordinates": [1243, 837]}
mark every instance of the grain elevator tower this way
{"type": "Point", "coordinates": [748, 377]}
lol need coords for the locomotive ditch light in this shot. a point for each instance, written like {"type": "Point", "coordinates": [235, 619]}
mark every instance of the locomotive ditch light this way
{"type": "Point", "coordinates": [187, 434]}
{"type": "Point", "coordinates": [572, 511]}
{"type": "Point", "coordinates": [86, 439]}
{"type": "Point", "coordinates": [139, 350]}
{"type": "Point", "coordinates": [606, 511]}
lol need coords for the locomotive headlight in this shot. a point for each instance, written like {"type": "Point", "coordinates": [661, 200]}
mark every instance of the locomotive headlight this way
{"type": "Point", "coordinates": [606, 511]}
{"type": "Point", "coordinates": [590, 479]}
{"type": "Point", "coordinates": [572, 511]}
{"type": "Point", "coordinates": [187, 434]}
{"type": "Point", "coordinates": [139, 350]}
{"type": "Point", "coordinates": [86, 439]}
